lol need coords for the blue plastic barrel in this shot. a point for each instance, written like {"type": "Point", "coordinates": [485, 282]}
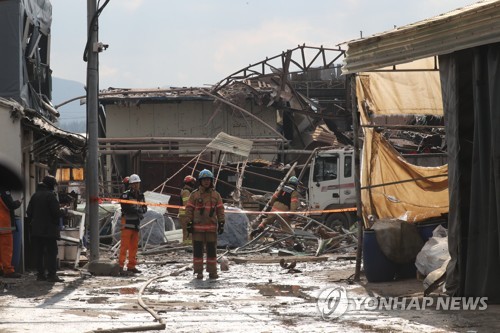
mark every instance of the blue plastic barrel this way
{"type": "Point", "coordinates": [377, 267]}
{"type": "Point", "coordinates": [17, 245]}
{"type": "Point", "coordinates": [425, 229]}
{"type": "Point", "coordinates": [406, 271]}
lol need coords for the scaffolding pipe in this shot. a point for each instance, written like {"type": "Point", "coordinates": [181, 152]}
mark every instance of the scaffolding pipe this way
{"type": "Point", "coordinates": [192, 152]}
{"type": "Point", "coordinates": [163, 138]}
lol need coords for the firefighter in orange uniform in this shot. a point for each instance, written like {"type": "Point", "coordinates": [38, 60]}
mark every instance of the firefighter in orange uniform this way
{"type": "Point", "coordinates": [205, 214]}
{"type": "Point", "coordinates": [189, 186]}
{"type": "Point", "coordinates": [132, 214]}
{"type": "Point", "coordinates": [7, 225]}
{"type": "Point", "coordinates": [286, 200]}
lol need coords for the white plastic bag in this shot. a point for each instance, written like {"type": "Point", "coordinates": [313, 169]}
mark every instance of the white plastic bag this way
{"type": "Point", "coordinates": [434, 253]}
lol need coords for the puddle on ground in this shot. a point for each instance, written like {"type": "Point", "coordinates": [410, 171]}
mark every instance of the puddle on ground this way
{"type": "Point", "coordinates": [282, 290]}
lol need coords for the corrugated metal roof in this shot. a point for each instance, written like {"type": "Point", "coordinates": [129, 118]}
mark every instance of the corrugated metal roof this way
{"type": "Point", "coordinates": [463, 28]}
{"type": "Point", "coordinates": [231, 144]}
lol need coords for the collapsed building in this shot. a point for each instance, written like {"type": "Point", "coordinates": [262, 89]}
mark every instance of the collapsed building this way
{"type": "Point", "coordinates": [30, 136]}
{"type": "Point", "coordinates": [155, 132]}
{"type": "Point", "coordinates": [287, 105]}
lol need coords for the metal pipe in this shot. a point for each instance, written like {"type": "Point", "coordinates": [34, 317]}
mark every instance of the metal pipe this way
{"type": "Point", "coordinates": [409, 127]}
{"type": "Point", "coordinates": [161, 145]}
{"type": "Point", "coordinates": [192, 152]}
{"type": "Point", "coordinates": [163, 138]}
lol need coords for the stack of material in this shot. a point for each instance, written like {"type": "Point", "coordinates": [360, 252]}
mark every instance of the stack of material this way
{"type": "Point", "coordinates": [152, 227]}
{"type": "Point", "coordinates": [235, 230]}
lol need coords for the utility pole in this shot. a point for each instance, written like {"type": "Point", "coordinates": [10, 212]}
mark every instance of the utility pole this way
{"type": "Point", "coordinates": [351, 79]}
{"type": "Point", "coordinates": [92, 181]}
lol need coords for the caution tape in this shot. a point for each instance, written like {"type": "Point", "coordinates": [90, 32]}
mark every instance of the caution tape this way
{"type": "Point", "coordinates": [306, 212]}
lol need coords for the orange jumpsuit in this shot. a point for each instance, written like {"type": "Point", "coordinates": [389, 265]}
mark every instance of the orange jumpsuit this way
{"type": "Point", "coordinates": [132, 215]}
{"type": "Point", "coordinates": [7, 225]}
{"type": "Point", "coordinates": [206, 210]}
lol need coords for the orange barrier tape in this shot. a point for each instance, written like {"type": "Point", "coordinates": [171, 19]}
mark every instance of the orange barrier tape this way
{"type": "Point", "coordinates": [307, 212]}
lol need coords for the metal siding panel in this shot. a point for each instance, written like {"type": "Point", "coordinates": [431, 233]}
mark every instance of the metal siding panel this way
{"type": "Point", "coordinates": [213, 120]}
{"type": "Point", "coordinates": [187, 119]}
{"type": "Point", "coordinates": [117, 124]}
{"type": "Point", "coordinates": [166, 117]}
{"type": "Point", "coordinates": [10, 136]}
{"type": "Point", "coordinates": [11, 55]}
{"type": "Point", "coordinates": [142, 120]}
{"type": "Point", "coordinates": [465, 28]}
{"type": "Point", "coordinates": [244, 126]}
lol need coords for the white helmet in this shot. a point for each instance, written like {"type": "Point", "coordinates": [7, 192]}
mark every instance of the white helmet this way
{"type": "Point", "coordinates": [134, 179]}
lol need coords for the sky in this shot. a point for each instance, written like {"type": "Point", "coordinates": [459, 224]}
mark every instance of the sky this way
{"type": "Point", "coordinates": [193, 43]}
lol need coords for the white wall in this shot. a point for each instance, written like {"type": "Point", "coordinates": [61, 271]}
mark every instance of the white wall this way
{"type": "Point", "coordinates": [10, 144]}
{"type": "Point", "coordinates": [10, 135]}
{"type": "Point", "coordinates": [186, 119]}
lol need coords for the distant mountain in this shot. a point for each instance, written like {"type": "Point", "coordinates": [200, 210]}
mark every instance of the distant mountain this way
{"type": "Point", "coordinates": [73, 115]}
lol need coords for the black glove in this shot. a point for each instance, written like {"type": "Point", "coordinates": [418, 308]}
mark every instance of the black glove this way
{"type": "Point", "coordinates": [221, 227]}
{"type": "Point", "coordinates": [257, 231]}
{"type": "Point", "coordinates": [64, 211]}
{"type": "Point", "coordinates": [189, 227]}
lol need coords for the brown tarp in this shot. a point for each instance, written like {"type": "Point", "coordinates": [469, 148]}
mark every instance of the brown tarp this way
{"type": "Point", "coordinates": [412, 89]}
{"type": "Point", "coordinates": [410, 201]}
{"type": "Point", "coordinates": [411, 193]}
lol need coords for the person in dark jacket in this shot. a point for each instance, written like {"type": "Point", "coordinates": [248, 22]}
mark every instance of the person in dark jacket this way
{"type": "Point", "coordinates": [7, 226]}
{"type": "Point", "coordinates": [132, 214]}
{"type": "Point", "coordinates": [43, 215]}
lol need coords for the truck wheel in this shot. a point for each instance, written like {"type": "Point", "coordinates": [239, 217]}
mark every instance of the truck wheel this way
{"type": "Point", "coordinates": [338, 220]}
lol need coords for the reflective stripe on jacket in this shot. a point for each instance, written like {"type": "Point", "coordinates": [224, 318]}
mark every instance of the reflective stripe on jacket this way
{"type": "Point", "coordinates": [205, 209]}
{"type": "Point", "coordinates": [289, 197]}
{"type": "Point", "coordinates": [132, 213]}
{"type": "Point", "coordinates": [185, 193]}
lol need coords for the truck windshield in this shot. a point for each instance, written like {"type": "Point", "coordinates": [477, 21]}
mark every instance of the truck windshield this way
{"type": "Point", "coordinates": [325, 168]}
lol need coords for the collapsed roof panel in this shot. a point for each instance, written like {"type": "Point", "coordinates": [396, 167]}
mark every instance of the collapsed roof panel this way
{"type": "Point", "coordinates": [463, 28]}
{"type": "Point", "coordinates": [231, 144]}
{"type": "Point", "coordinates": [51, 143]}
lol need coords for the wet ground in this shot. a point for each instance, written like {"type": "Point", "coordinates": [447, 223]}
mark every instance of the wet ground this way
{"type": "Point", "coordinates": [249, 297]}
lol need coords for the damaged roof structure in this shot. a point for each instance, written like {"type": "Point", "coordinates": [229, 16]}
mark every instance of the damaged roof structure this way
{"type": "Point", "coordinates": [260, 103]}
{"type": "Point", "coordinates": [26, 91]}
{"type": "Point", "coordinates": [466, 43]}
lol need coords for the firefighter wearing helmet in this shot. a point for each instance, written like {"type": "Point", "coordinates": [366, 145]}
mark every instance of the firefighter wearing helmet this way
{"type": "Point", "coordinates": [132, 214]}
{"type": "Point", "coordinates": [285, 200]}
{"type": "Point", "coordinates": [125, 182]}
{"type": "Point", "coordinates": [205, 214]}
{"type": "Point", "coordinates": [189, 186]}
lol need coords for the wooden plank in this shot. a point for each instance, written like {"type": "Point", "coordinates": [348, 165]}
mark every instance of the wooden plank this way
{"type": "Point", "coordinates": [274, 260]}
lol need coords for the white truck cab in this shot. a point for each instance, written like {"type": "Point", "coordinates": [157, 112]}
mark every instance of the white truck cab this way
{"type": "Point", "coordinates": [330, 186]}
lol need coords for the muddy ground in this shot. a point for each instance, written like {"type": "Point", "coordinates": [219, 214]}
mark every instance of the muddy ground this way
{"type": "Point", "coordinates": [250, 297]}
